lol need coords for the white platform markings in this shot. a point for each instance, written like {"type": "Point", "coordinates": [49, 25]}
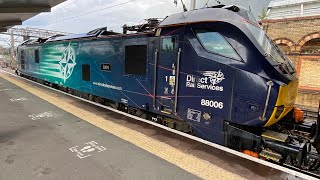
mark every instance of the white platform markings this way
{"type": "Point", "coordinates": [18, 99]}
{"type": "Point", "coordinates": [87, 149]}
{"type": "Point", "coordinates": [48, 114]}
{"type": "Point", "coordinates": [4, 90]}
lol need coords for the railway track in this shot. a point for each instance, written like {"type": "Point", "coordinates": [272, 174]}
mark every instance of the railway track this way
{"type": "Point", "coordinates": [304, 172]}
{"type": "Point", "coordinates": [285, 168]}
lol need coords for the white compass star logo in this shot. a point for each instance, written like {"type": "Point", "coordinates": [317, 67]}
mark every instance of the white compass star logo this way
{"type": "Point", "coordinates": [67, 62]}
{"type": "Point", "coordinates": [215, 76]}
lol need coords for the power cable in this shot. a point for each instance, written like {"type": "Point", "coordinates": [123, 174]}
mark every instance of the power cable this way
{"type": "Point", "coordinates": [90, 12]}
{"type": "Point", "coordinates": [64, 7]}
{"type": "Point", "coordinates": [206, 5]}
{"type": "Point", "coordinates": [69, 4]}
{"type": "Point", "coordinates": [184, 6]}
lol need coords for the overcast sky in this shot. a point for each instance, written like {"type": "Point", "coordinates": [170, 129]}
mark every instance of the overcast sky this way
{"type": "Point", "coordinates": [79, 16]}
{"type": "Point", "coordinates": [73, 17]}
{"type": "Point", "coordinates": [76, 16]}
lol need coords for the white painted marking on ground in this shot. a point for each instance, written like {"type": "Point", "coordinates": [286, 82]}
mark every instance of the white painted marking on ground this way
{"type": "Point", "coordinates": [4, 90]}
{"type": "Point", "coordinates": [223, 148]}
{"type": "Point", "coordinates": [18, 99]}
{"type": "Point", "coordinates": [87, 150]}
{"type": "Point", "coordinates": [48, 114]}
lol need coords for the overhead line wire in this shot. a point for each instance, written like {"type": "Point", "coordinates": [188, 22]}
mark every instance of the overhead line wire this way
{"type": "Point", "coordinates": [69, 4]}
{"type": "Point", "coordinates": [64, 7]}
{"type": "Point", "coordinates": [90, 12]}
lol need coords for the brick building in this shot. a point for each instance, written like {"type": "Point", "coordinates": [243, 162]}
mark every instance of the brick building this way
{"type": "Point", "coordinates": [297, 32]}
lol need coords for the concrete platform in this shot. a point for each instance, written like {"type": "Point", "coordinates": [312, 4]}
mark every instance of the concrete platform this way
{"type": "Point", "coordinates": [34, 146]}
{"type": "Point", "coordinates": [49, 135]}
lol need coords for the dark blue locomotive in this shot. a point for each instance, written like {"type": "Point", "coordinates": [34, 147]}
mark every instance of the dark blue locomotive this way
{"type": "Point", "coordinates": [211, 72]}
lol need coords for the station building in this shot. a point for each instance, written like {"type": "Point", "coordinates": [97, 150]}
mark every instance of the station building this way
{"type": "Point", "coordinates": [294, 25]}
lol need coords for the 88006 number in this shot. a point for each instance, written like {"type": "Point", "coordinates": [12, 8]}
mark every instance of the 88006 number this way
{"type": "Point", "coordinates": [210, 103]}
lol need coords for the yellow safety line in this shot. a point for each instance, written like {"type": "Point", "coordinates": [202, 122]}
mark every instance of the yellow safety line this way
{"type": "Point", "coordinates": [188, 162]}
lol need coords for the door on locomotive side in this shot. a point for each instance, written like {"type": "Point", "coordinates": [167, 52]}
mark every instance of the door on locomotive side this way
{"type": "Point", "coordinates": [167, 56]}
{"type": "Point", "coordinates": [206, 81]}
{"type": "Point", "coordinates": [36, 57]}
{"type": "Point", "coordinates": [21, 59]}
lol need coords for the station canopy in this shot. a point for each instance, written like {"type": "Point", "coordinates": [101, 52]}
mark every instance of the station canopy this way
{"type": "Point", "coordinates": [14, 12]}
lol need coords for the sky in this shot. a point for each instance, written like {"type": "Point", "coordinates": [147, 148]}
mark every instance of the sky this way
{"type": "Point", "coordinates": [80, 16]}
{"type": "Point", "coordinates": [77, 16]}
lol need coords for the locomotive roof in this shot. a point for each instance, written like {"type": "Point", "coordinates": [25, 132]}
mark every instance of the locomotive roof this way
{"type": "Point", "coordinates": [91, 34]}
{"type": "Point", "coordinates": [73, 36]}
{"type": "Point", "coordinates": [215, 13]}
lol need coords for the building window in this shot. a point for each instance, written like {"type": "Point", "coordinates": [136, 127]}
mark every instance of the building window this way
{"type": "Point", "coordinates": [214, 42]}
{"type": "Point", "coordinates": [168, 44]}
{"type": "Point", "coordinates": [36, 56]}
{"type": "Point", "coordinates": [311, 47]}
{"type": "Point", "coordinates": [135, 59]}
{"type": "Point", "coordinates": [285, 48]}
{"type": "Point", "coordinates": [86, 72]}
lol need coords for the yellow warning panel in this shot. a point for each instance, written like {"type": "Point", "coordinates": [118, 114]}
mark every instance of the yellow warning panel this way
{"type": "Point", "coordinates": [172, 80]}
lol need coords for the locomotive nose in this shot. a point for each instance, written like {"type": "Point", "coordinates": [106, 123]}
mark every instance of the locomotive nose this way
{"type": "Point", "coordinates": [285, 101]}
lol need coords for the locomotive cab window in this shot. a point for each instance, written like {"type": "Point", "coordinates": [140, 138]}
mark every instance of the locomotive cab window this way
{"type": "Point", "coordinates": [36, 56]}
{"type": "Point", "coordinates": [136, 59]}
{"type": "Point", "coordinates": [214, 42]}
{"type": "Point", "coordinates": [168, 44]}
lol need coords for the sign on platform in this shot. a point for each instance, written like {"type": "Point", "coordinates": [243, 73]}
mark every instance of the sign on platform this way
{"type": "Point", "coordinates": [18, 99]}
{"type": "Point", "coordinates": [48, 114]}
{"type": "Point", "coordinates": [87, 150]}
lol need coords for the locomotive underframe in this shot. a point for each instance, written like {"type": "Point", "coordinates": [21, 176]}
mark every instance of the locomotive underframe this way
{"type": "Point", "coordinates": [301, 149]}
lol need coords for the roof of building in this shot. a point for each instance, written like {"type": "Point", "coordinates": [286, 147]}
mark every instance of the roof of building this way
{"type": "Point", "coordinates": [280, 3]}
{"type": "Point", "coordinates": [14, 12]}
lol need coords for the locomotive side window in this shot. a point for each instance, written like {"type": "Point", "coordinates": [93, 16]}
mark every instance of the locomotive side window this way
{"type": "Point", "coordinates": [86, 72]}
{"type": "Point", "coordinates": [136, 59]}
{"type": "Point", "coordinates": [214, 42]}
{"type": "Point", "coordinates": [22, 56]}
{"type": "Point", "coordinates": [36, 56]}
{"type": "Point", "coordinates": [168, 44]}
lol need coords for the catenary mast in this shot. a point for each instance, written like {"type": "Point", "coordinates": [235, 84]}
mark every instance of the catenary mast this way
{"type": "Point", "coordinates": [193, 5]}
